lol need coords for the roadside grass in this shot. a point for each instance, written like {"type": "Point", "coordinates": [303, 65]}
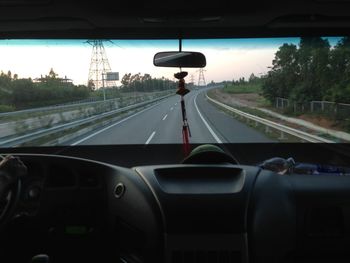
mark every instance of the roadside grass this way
{"type": "Point", "coordinates": [211, 93]}
{"type": "Point", "coordinates": [269, 132]}
{"type": "Point", "coordinates": [263, 102]}
{"type": "Point", "coordinates": [6, 108]}
{"type": "Point", "coordinates": [340, 122]}
{"type": "Point", "coordinates": [331, 120]}
{"type": "Point", "coordinates": [242, 88]}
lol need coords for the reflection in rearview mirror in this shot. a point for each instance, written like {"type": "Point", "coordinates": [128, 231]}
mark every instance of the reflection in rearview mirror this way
{"type": "Point", "coordinates": [180, 59]}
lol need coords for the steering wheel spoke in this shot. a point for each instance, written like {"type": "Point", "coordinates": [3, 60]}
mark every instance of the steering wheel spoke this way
{"type": "Point", "coordinates": [12, 170]}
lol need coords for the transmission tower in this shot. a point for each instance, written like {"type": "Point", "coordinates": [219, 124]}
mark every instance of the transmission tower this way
{"type": "Point", "coordinates": [201, 79]}
{"type": "Point", "coordinates": [99, 65]}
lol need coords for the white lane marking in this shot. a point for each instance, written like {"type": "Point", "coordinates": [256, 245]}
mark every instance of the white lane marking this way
{"type": "Point", "coordinates": [166, 115]}
{"type": "Point", "coordinates": [205, 122]}
{"type": "Point", "coordinates": [150, 137]}
{"type": "Point", "coordinates": [171, 108]}
{"type": "Point", "coordinates": [114, 124]}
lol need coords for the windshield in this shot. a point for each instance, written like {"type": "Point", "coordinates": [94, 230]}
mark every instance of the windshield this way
{"type": "Point", "coordinates": [108, 92]}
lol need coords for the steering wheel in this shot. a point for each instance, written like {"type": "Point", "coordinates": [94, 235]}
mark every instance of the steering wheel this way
{"type": "Point", "coordinates": [8, 206]}
{"type": "Point", "coordinates": [13, 169]}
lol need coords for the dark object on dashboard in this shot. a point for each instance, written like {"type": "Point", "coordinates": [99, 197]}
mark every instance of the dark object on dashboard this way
{"type": "Point", "coordinates": [179, 59]}
{"type": "Point", "coordinates": [318, 169]}
{"type": "Point", "coordinates": [289, 166]}
{"type": "Point", "coordinates": [209, 154]}
{"type": "Point", "coordinates": [278, 165]}
{"type": "Point", "coordinates": [42, 258]}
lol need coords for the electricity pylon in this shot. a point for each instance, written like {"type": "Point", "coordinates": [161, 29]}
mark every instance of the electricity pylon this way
{"type": "Point", "coordinates": [99, 65]}
{"type": "Point", "coordinates": [201, 79]}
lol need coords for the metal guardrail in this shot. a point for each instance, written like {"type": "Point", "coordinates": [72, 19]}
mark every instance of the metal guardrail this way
{"type": "Point", "coordinates": [12, 142]}
{"type": "Point", "coordinates": [57, 107]}
{"type": "Point", "coordinates": [282, 128]}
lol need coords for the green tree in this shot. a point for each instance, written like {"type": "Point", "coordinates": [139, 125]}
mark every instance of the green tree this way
{"type": "Point", "coordinates": [314, 71]}
{"type": "Point", "coordinates": [91, 85]}
{"type": "Point", "coordinates": [126, 79]}
{"type": "Point", "coordinates": [282, 77]}
{"type": "Point", "coordinates": [301, 74]}
{"type": "Point", "coordinates": [340, 72]}
{"type": "Point", "coordinates": [24, 93]}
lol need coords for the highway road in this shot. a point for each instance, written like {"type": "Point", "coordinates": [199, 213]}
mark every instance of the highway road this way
{"type": "Point", "coordinates": [162, 124]}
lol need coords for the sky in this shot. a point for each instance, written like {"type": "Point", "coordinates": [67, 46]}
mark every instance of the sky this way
{"type": "Point", "coordinates": [227, 59]}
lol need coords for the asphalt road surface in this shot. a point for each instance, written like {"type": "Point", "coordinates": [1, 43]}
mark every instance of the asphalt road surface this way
{"type": "Point", "coordinates": [162, 124]}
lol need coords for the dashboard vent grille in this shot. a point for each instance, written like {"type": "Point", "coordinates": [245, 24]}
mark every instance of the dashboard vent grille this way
{"type": "Point", "coordinates": [206, 256]}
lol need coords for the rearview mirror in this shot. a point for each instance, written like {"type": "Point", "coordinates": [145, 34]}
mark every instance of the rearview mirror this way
{"type": "Point", "coordinates": [181, 59]}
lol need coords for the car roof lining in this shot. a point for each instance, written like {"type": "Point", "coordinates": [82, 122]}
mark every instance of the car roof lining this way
{"type": "Point", "coordinates": [155, 19]}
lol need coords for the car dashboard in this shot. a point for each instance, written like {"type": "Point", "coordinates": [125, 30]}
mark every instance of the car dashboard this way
{"type": "Point", "coordinates": [74, 209]}
{"type": "Point", "coordinates": [137, 204]}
